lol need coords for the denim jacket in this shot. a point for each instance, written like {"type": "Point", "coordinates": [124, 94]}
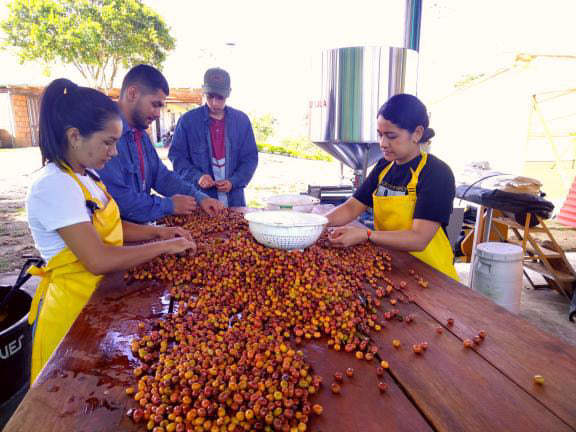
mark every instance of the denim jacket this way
{"type": "Point", "coordinates": [123, 179]}
{"type": "Point", "coordinates": [191, 151]}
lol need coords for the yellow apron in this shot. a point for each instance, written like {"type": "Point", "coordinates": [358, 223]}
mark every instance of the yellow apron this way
{"type": "Point", "coordinates": [395, 213]}
{"type": "Point", "coordinates": [66, 285]}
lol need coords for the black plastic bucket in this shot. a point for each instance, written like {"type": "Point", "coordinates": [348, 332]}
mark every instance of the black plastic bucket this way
{"type": "Point", "coordinates": [15, 353]}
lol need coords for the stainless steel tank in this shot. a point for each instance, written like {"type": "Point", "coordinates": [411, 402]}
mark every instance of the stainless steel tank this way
{"type": "Point", "coordinates": [350, 84]}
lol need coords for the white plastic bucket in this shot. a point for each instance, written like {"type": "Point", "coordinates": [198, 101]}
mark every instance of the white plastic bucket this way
{"type": "Point", "coordinates": [497, 273]}
{"type": "Point", "coordinates": [298, 203]}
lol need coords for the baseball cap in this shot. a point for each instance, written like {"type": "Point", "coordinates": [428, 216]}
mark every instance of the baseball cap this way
{"type": "Point", "coordinates": [217, 81]}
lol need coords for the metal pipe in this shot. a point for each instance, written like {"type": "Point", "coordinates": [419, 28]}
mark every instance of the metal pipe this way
{"type": "Point", "coordinates": [413, 19]}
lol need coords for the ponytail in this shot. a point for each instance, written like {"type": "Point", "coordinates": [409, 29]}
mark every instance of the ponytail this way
{"type": "Point", "coordinates": [65, 105]}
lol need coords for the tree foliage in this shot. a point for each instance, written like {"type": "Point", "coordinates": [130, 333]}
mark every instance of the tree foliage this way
{"type": "Point", "coordinates": [263, 126]}
{"type": "Point", "coordinates": [96, 36]}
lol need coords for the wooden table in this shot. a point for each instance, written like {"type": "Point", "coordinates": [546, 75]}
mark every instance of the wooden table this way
{"type": "Point", "coordinates": [449, 388]}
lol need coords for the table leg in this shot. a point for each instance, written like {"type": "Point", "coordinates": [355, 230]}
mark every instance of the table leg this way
{"type": "Point", "coordinates": [478, 226]}
{"type": "Point", "coordinates": [488, 224]}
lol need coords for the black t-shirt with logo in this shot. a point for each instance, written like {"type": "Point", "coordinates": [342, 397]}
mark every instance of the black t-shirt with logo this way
{"type": "Point", "coordinates": [435, 190]}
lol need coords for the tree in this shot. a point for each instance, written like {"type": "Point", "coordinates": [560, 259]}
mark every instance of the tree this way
{"type": "Point", "coordinates": [263, 127]}
{"type": "Point", "coordinates": [96, 36]}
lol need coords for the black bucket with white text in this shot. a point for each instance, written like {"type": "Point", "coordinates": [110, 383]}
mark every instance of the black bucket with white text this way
{"type": "Point", "coordinates": [15, 353]}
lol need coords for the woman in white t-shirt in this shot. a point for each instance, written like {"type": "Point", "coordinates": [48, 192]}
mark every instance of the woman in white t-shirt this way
{"type": "Point", "coordinates": [75, 223]}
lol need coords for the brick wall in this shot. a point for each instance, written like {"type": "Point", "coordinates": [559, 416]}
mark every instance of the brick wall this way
{"type": "Point", "coordinates": [22, 136]}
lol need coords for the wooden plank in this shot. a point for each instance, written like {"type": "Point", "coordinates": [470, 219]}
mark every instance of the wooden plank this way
{"type": "Point", "coordinates": [515, 347]}
{"type": "Point", "coordinates": [82, 387]}
{"type": "Point", "coordinates": [360, 406]}
{"type": "Point", "coordinates": [548, 253]}
{"type": "Point", "coordinates": [455, 387]}
{"type": "Point", "coordinates": [541, 268]}
{"type": "Point", "coordinates": [513, 224]}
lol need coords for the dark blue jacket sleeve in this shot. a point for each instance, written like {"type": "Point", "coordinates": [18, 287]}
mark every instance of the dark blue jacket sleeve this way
{"type": "Point", "coordinates": [139, 207]}
{"type": "Point", "coordinates": [247, 157]}
{"type": "Point", "coordinates": [169, 183]}
{"type": "Point", "coordinates": [179, 153]}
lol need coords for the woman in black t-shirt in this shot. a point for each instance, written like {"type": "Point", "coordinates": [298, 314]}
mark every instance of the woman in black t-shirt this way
{"type": "Point", "coordinates": [411, 192]}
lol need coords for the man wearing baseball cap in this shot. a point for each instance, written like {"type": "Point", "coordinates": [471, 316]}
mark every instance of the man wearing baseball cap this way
{"type": "Point", "coordinates": [214, 146]}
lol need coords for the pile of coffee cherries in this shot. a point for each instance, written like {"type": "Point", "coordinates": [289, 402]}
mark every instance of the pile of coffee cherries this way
{"type": "Point", "coordinates": [226, 358]}
{"type": "Point", "coordinates": [200, 223]}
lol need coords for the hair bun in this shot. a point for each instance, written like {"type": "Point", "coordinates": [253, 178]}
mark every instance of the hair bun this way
{"type": "Point", "coordinates": [427, 135]}
{"type": "Point", "coordinates": [70, 87]}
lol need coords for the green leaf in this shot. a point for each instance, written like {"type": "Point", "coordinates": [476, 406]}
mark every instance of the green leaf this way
{"type": "Point", "coordinates": [87, 33]}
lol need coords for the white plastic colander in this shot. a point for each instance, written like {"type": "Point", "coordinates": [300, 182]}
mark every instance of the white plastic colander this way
{"type": "Point", "coordinates": [285, 229]}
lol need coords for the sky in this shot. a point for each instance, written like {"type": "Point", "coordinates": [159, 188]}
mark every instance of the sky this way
{"type": "Point", "coordinates": [267, 46]}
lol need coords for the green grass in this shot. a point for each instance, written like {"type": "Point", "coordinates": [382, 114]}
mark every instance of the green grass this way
{"type": "Point", "coordinates": [20, 211]}
{"type": "Point", "coordinates": [291, 148]}
{"type": "Point", "coordinates": [254, 203]}
{"type": "Point", "coordinates": [256, 195]}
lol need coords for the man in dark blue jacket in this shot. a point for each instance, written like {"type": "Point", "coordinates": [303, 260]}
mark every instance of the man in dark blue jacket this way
{"type": "Point", "coordinates": [130, 176]}
{"type": "Point", "coordinates": [214, 146]}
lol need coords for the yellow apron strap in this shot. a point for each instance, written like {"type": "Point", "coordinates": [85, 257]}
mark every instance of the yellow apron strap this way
{"type": "Point", "coordinates": [385, 171]}
{"type": "Point", "coordinates": [102, 186]}
{"type": "Point", "coordinates": [87, 195]}
{"type": "Point", "coordinates": [40, 290]}
{"type": "Point", "coordinates": [415, 174]}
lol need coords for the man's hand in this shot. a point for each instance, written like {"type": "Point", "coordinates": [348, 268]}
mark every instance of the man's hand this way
{"type": "Point", "coordinates": [211, 206]}
{"type": "Point", "coordinates": [206, 181]}
{"type": "Point", "coordinates": [223, 185]}
{"type": "Point", "coordinates": [183, 204]}
{"type": "Point", "coordinates": [347, 236]}
{"type": "Point", "coordinates": [165, 233]}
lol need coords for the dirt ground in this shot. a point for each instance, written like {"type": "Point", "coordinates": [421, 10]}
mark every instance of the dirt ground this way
{"type": "Point", "coordinates": [16, 167]}
{"type": "Point", "coordinates": [565, 236]}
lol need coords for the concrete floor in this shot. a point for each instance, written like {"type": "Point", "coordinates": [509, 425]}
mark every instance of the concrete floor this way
{"type": "Point", "coordinates": [544, 308]}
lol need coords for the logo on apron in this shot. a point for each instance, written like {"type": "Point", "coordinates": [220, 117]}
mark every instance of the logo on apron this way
{"type": "Point", "coordinates": [384, 191]}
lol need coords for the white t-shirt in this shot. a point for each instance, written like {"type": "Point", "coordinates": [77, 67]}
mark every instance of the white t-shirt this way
{"type": "Point", "coordinates": [54, 201]}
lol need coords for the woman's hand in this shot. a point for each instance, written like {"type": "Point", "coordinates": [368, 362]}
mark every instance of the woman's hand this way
{"type": "Point", "coordinates": [100, 258]}
{"type": "Point", "coordinates": [165, 233]}
{"type": "Point", "coordinates": [179, 244]}
{"type": "Point", "coordinates": [346, 212]}
{"type": "Point", "coordinates": [347, 236]}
